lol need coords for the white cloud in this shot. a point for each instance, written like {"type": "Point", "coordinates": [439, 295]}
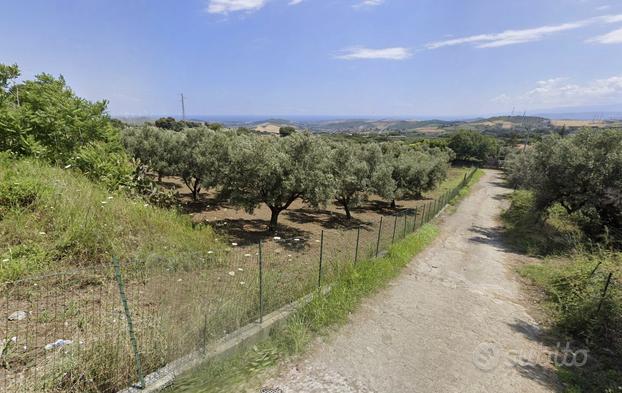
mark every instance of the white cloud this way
{"type": "Point", "coordinates": [368, 3]}
{"type": "Point", "coordinates": [512, 37]}
{"type": "Point", "coordinates": [360, 53]}
{"type": "Point", "coordinates": [295, 2]}
{"type": "Point", "coordinates": [561, 92]}
{"type": "Point", "coordinates": [227, 6]}
{"type": "Point", "coordinates": [614, 37]}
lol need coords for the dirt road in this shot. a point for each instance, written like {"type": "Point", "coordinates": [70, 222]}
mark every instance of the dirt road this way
{"type": "Point", "coordinates": [452, 322]}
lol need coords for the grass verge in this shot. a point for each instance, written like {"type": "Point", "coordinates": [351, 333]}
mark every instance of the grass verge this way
{"type": "Point", "coordinates": [315, 318]}
{"type": "Point", "coordinates": [571, 276]}
{"type": "Point", "coordinates": [464, 191]}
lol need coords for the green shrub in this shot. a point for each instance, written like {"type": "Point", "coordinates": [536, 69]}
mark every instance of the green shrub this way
{"type": "Point", "coordinates": [105, 164]}
{"type": "Point", "coordinates": [538, 233]}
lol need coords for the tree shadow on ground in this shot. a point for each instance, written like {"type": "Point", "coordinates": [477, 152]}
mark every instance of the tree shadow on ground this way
{"type": "Point", "coordinates": [170, 184]}
{"type": "Point", "coordinates": [326, 218]}
{"type": "Point", "coordinates": [492, 236]}
{"type": "Point", "coordinates": [383, 208]}
{"type": "Point", "coordinates": [203, 204]}
{"type": "Point", "coordinates": [247, 232]}
{"type": "Point", "coordinates": [535, 365]}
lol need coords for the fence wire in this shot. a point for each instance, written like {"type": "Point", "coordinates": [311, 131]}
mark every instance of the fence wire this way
{"type": "Point", "coordinates": [70, 331]}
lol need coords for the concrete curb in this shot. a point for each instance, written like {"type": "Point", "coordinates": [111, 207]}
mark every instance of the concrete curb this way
{"type": "Point", "coordinates": [240, 339]}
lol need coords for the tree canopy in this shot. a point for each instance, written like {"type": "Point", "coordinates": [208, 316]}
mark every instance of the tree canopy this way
{"type": "Point", "coordinates": [46, 119]}
{"type": "Point", "coordinates": [278, 171]}
{"type": "Point", "coordinates": [473, 146]}
{"type": "Point", "coordinates": [582, 173]}
{"type": "Point", "coordinates": [413, 171]}
{"type": "Point", "coordinates": [358, 170]}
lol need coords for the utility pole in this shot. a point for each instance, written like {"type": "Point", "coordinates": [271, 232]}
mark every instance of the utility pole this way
{"type": "Point", "coordinates": [183, 107]}
{"type": "Point", "coordinates": [527, 138]}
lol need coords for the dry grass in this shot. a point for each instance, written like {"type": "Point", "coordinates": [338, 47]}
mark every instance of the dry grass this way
{"type": "Point", "coordinates": [184, 289]}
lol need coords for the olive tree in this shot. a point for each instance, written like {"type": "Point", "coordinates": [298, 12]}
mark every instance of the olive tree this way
{"type": "Point", "coordinates": [278, 171]}
{"type": "Point", "coordinates": [204, 159]}
{"type": "Point", "coordinates": [359, 170]}
{"type": "Point", "coordinates": [414, 171]}
{"type": "Point", "coordinates": [199, 155]}
{"type": "Point", "coordinates": [157, 148]}
{"type": "Point", "coordinates": [581, 173]}
{"type": "Point", "coordinates": [473, 146]}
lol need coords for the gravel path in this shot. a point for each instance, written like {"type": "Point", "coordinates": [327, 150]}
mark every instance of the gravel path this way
{"type": "Point", "coordinates": [452, 322]}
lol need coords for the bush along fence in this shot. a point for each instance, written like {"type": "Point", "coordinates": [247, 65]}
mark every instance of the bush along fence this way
{"type": "Point", "coordinates": [104, 328]}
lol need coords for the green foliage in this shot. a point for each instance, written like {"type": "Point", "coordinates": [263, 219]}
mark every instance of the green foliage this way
{"type": "Point", "coordinates": [573, 282]}
{"type": "Point", "coordinates": [51, 121]}
{"type": "Point", "coordinates": [472, 146]}
{"type": "Point", "coordinates": [43, 118]}
{"type": "Point", "coordinates": [539, 234]}
{"type": "Point", "coordinates": [286, 130]}
{"type": "Point", "coordinates": [358, 170]}
{"type": "Point", "coordinates": [581, 173]}
{"type": "Point", "coordinates": [8, 73]}
{"type": "Point", "coordinates": [54, 218]}
{"type": "Point", "coordinates": [106, 164]}
{"type": "Point", "coordinates": [250, 170]}
{"type": "Point", "coordinates": [198, 155]}
{"type": "Point", "coordinates": [413, 171]}
{"type": "Point", "coordinates": [168, 123]}
{"type": "Point", "coordinates": [278, 171]}
{"type": "Point", "coordinates": [574, 287]}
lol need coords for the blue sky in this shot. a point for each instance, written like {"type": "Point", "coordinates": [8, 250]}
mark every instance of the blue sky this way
{"type": "Point", "coordinates": [323, 57]}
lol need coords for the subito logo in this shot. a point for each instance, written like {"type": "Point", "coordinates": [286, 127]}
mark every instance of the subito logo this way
{"type": "Point", "coordinates": [486, 356]}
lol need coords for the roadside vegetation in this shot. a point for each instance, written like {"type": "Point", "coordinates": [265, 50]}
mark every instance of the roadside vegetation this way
{"type": "Point", "coordinates": [567, 210]}
{"type": "Point", "coordinates": [78, 188]}
{"type": "Point", "coordinates": [320, 317]}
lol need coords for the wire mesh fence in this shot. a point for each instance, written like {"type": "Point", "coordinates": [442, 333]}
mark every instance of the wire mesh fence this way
{"type": "Point", "coordinates": [104, 328]}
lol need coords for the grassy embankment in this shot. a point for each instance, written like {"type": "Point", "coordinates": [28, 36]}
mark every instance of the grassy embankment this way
{"type": "Point", "coordinates": [54, 219]}
{"type": "Point", "coordinates": [571, 276]}
{"type": "Point", "coordinates": [319, 317]}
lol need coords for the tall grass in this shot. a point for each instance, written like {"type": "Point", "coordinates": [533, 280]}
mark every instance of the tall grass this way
{"type": "Point", "coordinates": [53, 219]}
{"type": "Point", "coordinates": [572, 276]}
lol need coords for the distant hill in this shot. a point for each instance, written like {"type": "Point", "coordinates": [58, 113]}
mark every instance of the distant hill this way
{"type": "Point", "coordinates": [495, 125]}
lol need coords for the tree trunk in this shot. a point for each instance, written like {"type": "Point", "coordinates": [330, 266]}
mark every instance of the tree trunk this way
{"type": "Point", "coordinates": [196, 188]}
{"type": "Point", "coordinates": [274, 218]}
{"type": "Point", "coordinates": [347, 209]}
{"type": "Point", "coordinates": [393, 204]}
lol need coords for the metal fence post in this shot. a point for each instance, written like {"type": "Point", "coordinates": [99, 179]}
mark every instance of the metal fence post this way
{"type": "Point", "coordinates": [415, 219]}
{"type": "Point", "coordinates": [130, 325]}
{"type": "Point", "coordinates": [394, 228]}
{"type": "Point", "coordinates": [378, 241]}
{"type": "Point", "coordinates": [356, 250]}
{"type": "Point", "coordinates": [405, 217]}
{"type": "Point", "coordinates": [319, 278]}
{"type": "Point", "coordinates": [260, 283]}
{"type": "Point", "coordinates": [602, 297]}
